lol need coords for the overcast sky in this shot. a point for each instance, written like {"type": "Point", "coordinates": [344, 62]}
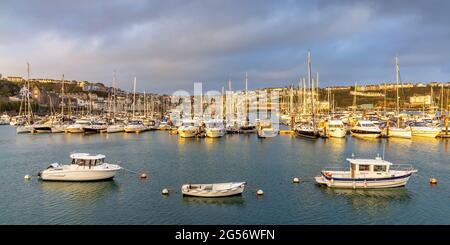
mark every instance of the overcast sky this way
{"type": "Point", "coordinates": [168, 45]}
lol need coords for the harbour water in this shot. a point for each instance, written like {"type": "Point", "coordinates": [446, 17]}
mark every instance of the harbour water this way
{"type": "Point", "coordinates": [267, 164]}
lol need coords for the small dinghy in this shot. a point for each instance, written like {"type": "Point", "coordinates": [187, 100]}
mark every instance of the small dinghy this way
{"type": "Point", "coordinates": [214, 190]}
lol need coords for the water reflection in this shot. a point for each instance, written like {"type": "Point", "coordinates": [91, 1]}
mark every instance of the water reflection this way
{"type": "Point", "coordinates": [337, 145]}
{"type": "Point", "coordinates": [80, 191]}
{"type": "Point", "coordinates": [370, 202]}
{"type": "Point", "coordinates": [220, 201]}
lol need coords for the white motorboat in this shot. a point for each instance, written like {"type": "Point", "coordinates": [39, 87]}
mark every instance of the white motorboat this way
{"type": "Point", "coordinates": [336, 129]}
{"type": "Point", "coordinates": [422, 130]}
{"type": "Point", "coordinates": [135, 126]}
{"type": "Point", "coordinates": [96, 127]}
{"type": "Point", "coordinates": [365, 129]}
{"type": "Point", "coordinates": [78, 126]}
{"type": "Point", "coordinates": [215, 129]}
{"type": "Point", "coordinates": [84, 167]}
{"type": "Point", "coordinates": [366, 174]}
{"type": "Point", "coordinates": [116, 128]}
{"type": "Point", "coordinates": [213, 190]}
{"type": "Point", "coordinates": [188, 129]}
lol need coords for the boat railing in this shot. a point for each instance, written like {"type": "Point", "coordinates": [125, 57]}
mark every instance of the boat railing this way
{"type": "Point", "coordinates": [334, 169]}
{"type": "Point", "coordinates": [401, 167]}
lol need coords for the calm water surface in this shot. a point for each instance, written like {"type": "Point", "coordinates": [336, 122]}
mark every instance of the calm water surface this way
{"type": "Point", "coordinates": [268, 164]}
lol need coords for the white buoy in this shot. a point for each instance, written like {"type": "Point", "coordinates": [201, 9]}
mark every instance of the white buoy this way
{"type": "Point", "coordinates": [143, 176]}
{"type": "Point", "coordinates": [165, 191]}
{"type": "Point", "coordinates": [27, 177]}
{"type": "Point", "coordinates": [296, 180]}
{"type": "Point", "coordinates": [260, 192]}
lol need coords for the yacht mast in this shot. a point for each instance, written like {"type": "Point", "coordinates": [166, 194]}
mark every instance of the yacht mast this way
{"type": "Point", "coordinates": [62, 96]}
{"type": "Point", "coordinates": [114, 95]}
{"type": "Point", "coordinates": [247, 119]}
{"type": "Point", "coordinates": [134, 96]}
{"type": "Point", "coordinates": [312, 87]}
{"type": "Point", "coordinates": [29, 110]}
{"type": "Point", "coordinates": [396, 78]}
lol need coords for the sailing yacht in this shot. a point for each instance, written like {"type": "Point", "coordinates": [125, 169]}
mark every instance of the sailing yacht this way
{"type": "Point", "coordinates": [25, 126]}
{"type": "Point", "coordinates": [135, 126]}
{"type": "Point", "coordinates": [215, 129]}
{"type": "Point", "coordinates": [396, 130]}
{"type": "Point", "coordinates": [308, 130]}
{"type": "Point", "coordinates": [266, 130]}
{"type": "Point", "coordinates": [188, 129]}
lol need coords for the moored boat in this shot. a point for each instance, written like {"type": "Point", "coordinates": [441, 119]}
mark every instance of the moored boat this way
{"type": "Point", "coordinates": [215, 129]}
{"type": "Point", "coordinates": [213, 190]}
{"type": "Point", "coordinates": [116, 128]}
{"type": "Point", "coordinates": [422, 130]}
{"type": "Point", "coordinates": [135, 126]}
{"type": "Point", "coordinates": [84, 167]}
{"type": "Point", "coordinates": [366, 174]}
{"type": "Point", "coordinates": [336, 129]}
{"type": "Point", "coordinates": [365, 129]}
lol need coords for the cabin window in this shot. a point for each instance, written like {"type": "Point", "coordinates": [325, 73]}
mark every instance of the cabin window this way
{"type": "Point", "coordinates": [364, 167]}
{"type": "Point", "coordinates": [379, 168]}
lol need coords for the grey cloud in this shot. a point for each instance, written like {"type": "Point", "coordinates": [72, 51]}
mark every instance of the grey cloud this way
{"type": "Point", "coordinates": [169, 45]}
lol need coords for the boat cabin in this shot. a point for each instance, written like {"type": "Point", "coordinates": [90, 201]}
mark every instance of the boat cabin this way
{"type": "Point", "coordinates": [366, 124]}
{"type": "Point", "coordinates": [86, 159]}
{"type": "Point", "coordinates": [376, 166]}
{"type": "Point", "coordinates": [336, 124]}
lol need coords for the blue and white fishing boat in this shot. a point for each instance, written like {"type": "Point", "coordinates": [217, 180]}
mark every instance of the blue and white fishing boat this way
{"type": "Point", "coordinates": [366, 174]}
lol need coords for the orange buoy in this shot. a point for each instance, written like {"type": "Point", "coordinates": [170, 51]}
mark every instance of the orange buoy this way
{"type": "Point", "coordinates": [433, 181]}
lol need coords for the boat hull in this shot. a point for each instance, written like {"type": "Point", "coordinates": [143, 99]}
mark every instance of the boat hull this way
{"type": "Point", "coordinates": [365, 134]}
{"type": "Point", "coordinates": [187, 133]}
{"type": "Point", "coordinates": [382, 183]}
{"type": "Point", "coordinates": [235, 190]}
{"type": "Point", "coordinates": [307, 134]}
{"type": "Point", "coordinates": [267, 133]}
{"type": "Point", "coordinates": [425, 132]}
{"type": "Point", "coordinates": [24, 129]}
{"type": "Point", "coordinates": [77, 175]}
{"type": "Point", "coordinates": [74, 130]}
{"type": "Point", "coordinates": [399, 133]}
{"type": "Point", "coordinates": [134, 129]}
{"type": "Point", "coordinates": [42, 129]}
{"type": "Point", "coordinates": [114, 129]}
{"type": "Point", "coordinates": [215, 133]}
{"type": "Point", "coordinates": [337, 133]}
{"type": "Point", "coordinates": [58, 129]}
